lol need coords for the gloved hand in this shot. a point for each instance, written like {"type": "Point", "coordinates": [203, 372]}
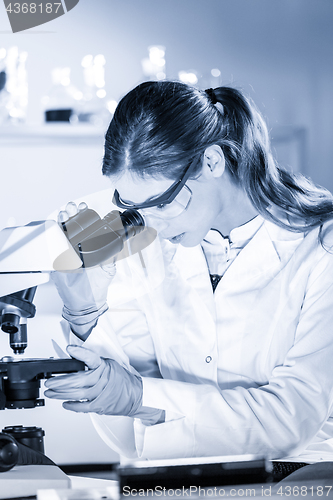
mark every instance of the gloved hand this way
{"type": "Point", "coordinates": [106, 388]}
{"type": "Point", "coordinates": [83, 291]}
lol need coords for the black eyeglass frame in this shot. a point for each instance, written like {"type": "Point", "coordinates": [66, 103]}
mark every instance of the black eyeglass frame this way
{"type": "Point", "coordinates": [168, 196]}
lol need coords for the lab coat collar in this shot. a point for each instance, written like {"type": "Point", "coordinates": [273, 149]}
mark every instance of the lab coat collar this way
{"type": "Point", "coordinates": [245, 231]}
{"type": "Point", "coordinates": [257, 263]}
{"type": "Point", "coordinates": [254, 266]}
{"type": "Point", "coordinates": [238, 235]}
{"type": "Point", "coordinates": [261, 259]}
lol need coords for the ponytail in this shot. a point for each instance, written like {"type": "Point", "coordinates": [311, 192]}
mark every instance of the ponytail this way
{"type": "Point", "coordinates": [159, 127]}
{"type": "Point", "coordinates": [303, 204]}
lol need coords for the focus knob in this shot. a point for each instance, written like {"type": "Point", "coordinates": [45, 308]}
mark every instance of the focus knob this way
{"type": "Point", "coordinates": [8, 452]}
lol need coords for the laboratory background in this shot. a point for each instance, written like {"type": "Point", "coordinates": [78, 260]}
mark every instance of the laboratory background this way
{"type": "Point", "coordinates": [60, 83]}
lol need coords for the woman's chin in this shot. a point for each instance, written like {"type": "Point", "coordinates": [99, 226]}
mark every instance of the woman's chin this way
{"type": "Point", "coordinates": [190, 240]}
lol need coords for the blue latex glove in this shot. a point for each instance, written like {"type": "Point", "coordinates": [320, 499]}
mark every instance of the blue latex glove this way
{"type": "Point", "coordinates": [105, 388]}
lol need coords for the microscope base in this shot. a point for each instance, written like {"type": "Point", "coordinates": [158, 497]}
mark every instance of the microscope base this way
{"type": "Point", "coordinates": [25, 480]}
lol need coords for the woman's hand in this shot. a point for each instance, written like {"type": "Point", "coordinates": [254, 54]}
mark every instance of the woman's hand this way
{"type": "Point", "coordinates": [105, 388]}
{"type": "Point", "coordinates": [83, 291]}
{"type": "Point", "coordinates": [84, 295]}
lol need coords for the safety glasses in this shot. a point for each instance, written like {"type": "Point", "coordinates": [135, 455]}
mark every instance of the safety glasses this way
{"type": "Point", "coordinates": [172, 202]}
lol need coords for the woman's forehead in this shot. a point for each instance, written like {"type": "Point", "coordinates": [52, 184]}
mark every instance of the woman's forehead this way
{"type": "Point", "coordinates": [136, 190]}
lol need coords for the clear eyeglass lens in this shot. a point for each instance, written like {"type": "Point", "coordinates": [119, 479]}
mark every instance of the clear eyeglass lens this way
{"type": "Point", "coordinates": [173, 209]}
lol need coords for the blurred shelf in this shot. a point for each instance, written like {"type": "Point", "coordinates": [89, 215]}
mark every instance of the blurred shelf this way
{"type": "Point", "coordinates": [90, 135]}
{"type": "Point", "coordinates": [51, 133]}
{"type": "Point", "coordinates": [289, 142]}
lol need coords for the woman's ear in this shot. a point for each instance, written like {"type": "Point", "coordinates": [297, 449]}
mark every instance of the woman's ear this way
{"type": "Point", "coordinates": [213, 162]}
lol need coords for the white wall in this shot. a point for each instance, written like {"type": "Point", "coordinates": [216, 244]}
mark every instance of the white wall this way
{"type": "Point", "coordinates": [43, 174]}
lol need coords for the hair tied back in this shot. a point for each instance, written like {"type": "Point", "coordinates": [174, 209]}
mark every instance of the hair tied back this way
{"type": "Point", "coordinates": [211, 94]}
{"type": "Point", "coordinates": [212, 97]}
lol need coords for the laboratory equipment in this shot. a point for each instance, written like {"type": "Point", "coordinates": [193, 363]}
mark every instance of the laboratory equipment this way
{"type": "Point", "coordinates": [92, 108]}
{"type": "Point", "coordinates": [62, 99]}
{"type": "Point", "coordinates": [19, 445]}
{"type": "Point", "coordinates": [20, 379]}
{"type": "Point", "coordinates": [193, 473]}
{"type": "Point", "coordinates": [27, 255]}
{"type": "Point", "coordinates": [13, 85]}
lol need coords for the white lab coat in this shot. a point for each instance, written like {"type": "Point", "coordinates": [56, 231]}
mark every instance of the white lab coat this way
{"type": "Point", "coordinates": [248, 369]}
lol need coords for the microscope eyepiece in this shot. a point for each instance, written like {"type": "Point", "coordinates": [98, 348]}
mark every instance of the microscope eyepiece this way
{"type": "Point", "coordinates": [132, 218]}
{"type": "Point", "coordinates": [97, 240]}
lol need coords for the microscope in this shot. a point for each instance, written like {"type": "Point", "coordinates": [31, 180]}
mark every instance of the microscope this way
{"type": "Point", "coordinates": [27, 255]}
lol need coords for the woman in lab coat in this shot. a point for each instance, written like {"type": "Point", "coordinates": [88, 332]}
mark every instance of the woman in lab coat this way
{"type": "Point", "coordinates": [219, 335]}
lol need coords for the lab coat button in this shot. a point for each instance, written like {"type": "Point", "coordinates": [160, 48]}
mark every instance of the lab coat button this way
{"type": "Point", "coordinates": [208, 359]}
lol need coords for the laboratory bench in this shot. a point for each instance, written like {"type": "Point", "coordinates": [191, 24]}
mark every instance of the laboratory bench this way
{"type": "Point", "coordinates": [96, 471]}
